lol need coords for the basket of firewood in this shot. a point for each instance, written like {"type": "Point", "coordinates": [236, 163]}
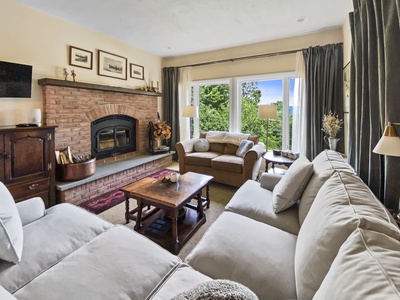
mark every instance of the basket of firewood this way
{"type": "Point", "coordinates": [74, 167]}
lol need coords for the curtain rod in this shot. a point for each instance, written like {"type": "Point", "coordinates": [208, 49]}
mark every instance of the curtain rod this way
{"type": "Point", "coordinates": [242, 58]}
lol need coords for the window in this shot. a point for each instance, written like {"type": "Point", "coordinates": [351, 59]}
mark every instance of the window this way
{"type": "Point", "coordinates": [213, 99]}
{"type": "Point", "coordinates": [232, 105]}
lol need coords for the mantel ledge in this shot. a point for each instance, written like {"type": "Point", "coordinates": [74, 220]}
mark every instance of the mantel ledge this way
{"type": "Point", "coordinates": [92, 86]}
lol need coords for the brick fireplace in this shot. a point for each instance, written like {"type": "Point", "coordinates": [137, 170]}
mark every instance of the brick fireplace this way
{"type": "Point", "coordinates": [72, 106]}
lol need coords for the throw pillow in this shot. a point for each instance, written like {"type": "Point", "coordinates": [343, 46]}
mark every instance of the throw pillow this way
{"type": "Point", "coordinates": [244, 146]}
{"type": "Point", "coordinates": [291, 186]}
{"type": "Point", "coordinates": [217, 289]}
{"type": "Point", "coordinates": [201, 145]}
{"type": "Point", "coordinates": [11, 233]}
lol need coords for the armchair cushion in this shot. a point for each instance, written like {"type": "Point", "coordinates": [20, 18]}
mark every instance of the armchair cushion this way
{"type": "Point", "coordinates": [11, 233]}
{"type": "Point", "coordinates": [269, 181]}
{"type": "Point", "coordinates": [201, 145]}
{"type": "Point", "coordinates": [31, 210]}
{"type": "Point", "coordinates": [291, 186]}
{"type": "Point", "coordinates": [244, 146]}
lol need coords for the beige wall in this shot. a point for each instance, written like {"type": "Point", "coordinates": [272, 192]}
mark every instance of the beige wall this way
{"type": "Point", "coordinates": [31, 37]}
{"type": "Point", "coordinates": [275, 64]}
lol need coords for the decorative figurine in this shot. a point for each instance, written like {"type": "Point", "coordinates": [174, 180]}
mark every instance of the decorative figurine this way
{"type": "Point", "coordinates": [65, 74]}
{"type": "Point", "coordinates": [73, 74]}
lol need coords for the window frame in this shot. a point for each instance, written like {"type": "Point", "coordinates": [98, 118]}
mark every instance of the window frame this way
{"type": "Point", "coordinates": [235, 98]}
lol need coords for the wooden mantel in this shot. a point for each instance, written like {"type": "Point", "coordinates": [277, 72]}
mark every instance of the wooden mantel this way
{"type": "Point", "coordinates": [91, 86]}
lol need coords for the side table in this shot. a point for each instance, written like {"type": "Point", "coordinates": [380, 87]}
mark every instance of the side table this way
{"type": "Point", "coordinates": [276, 159]}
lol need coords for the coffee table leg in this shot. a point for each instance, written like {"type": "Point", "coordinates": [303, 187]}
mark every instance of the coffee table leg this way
{"type": "Point", "coordinates": [175, 230]}
{"type": "Point", "coordinates": [139, 214]}
{"type": "Point", "coordinates": [208, 195]}
{"type": "Point", "coordinates": [126, 209]}
{"type": "Point", "coordinates": [200, 210]}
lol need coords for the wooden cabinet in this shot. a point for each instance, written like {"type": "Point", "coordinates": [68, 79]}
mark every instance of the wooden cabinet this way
{"type": "Point", "coordinates": [27, 162]}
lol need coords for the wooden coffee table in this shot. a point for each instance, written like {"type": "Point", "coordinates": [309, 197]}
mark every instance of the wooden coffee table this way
{"type": "Point", "coordinates": [168, 200]}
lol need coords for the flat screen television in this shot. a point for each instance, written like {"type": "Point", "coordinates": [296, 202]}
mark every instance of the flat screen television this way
{"type": "Point", "coordinates": [15, 80]}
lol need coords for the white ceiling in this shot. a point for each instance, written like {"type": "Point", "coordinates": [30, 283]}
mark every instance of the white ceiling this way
{"type": "Point", "coordinates": [171, 28]}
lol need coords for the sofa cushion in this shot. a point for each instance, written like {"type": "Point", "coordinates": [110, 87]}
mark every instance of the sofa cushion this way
{"type": "Point", "coordinates": [64, 229]}
{"type": "Point", "coordinates": [255, 202]}
{"type": "Point", "coordinates": [117, 264]}
{"type": "Point", "coordinates": [289, 189]}
{"type": "Point", "coordinates": [233, 248]}
{"type": "Point", "coordinates": [367, 265]}
{"type": "Point", "coordinates": [230, 149]}
{"type": "Point", "coordinates": [244, 146]}
{"type": "Point", "coordinates": [11, 233]}
{"type": "Point", "coordinates": [200, 158]}
{"type": "Point", "coordinates": [339, 206]}
{"type": "Point", "coordinates": [31, 210]}
{"type": "Point", "coordinates": [230, 163]}
{"type": "Point", "coordinates": [254, 139]}
{"type": "Point", "coordinates": [217, 147]}
{"type": "Point", "coordinates": [180, 280]}
{"type": "Point", "coordinates": [324, 165]}
{"type": "Point", "coordinates": [5, 295]}
{"type": "Point", "coordinates": [201, 145]}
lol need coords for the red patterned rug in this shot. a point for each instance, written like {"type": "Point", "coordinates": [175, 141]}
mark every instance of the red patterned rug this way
{"type": "Point", "coordinates": [101, 203]}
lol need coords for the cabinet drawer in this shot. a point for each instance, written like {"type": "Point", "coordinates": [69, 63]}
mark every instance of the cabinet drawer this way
{"type": "Point", "coordinates": [26, 190]}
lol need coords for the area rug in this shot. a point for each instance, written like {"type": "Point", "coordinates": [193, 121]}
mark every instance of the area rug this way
{"type": "Point", "coordinates": [106, 201]}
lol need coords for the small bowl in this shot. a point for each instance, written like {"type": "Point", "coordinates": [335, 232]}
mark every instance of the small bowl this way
{"type": "Point", "coordinates": [277, 152]}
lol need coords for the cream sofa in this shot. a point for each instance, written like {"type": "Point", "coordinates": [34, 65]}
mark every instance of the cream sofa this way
{"type": "Point", "coordinates": [337, 242]}
{"type": "Point", "coordinates": [221, 160]}
{"type": "Point", "coordinates": [67, 253]}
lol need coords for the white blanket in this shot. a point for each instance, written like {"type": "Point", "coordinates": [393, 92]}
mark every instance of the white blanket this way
{"type": "Point", "coordinates": [226, 137]}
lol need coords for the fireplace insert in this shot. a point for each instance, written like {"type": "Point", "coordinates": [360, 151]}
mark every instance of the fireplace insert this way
{"type": "Point", "coordinates": [113, 135]}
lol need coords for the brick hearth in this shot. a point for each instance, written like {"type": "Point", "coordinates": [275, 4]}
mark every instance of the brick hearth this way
{"type": "Point", "coordinates": [73, 106]}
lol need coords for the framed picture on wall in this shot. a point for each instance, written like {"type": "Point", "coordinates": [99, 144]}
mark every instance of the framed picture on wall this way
{"type": "Point", "coordinates": [80, 58]}
{"type": "Point", "coordinates": [346, 88]}
{"type": "Point", "coordinates": [137, 71]}
{"type": "Point", "coordinates": [111, 65]}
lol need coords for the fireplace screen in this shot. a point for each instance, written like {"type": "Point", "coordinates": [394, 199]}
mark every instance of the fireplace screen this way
{"type": "Point", "coordinates": [113, 135]}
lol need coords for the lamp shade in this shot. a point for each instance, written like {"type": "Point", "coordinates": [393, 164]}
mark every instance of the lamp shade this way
{"type": "Point", "coordinates": [267, 111]}
{"type": "Point", "coordinates": [190, 111]}
{"type": "Point", "coordinates": [389, 144]}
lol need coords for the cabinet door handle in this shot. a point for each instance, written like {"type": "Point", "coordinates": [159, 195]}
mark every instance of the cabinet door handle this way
{"type": "Point", "coordinates": [33, 186]}
{"type": "Point", "coordinates": [6, 155]}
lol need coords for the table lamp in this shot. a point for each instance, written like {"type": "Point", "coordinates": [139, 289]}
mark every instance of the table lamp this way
{"type": "Point", "coordinates": [267, 111]}
{"type": "Point", "coordinates": [190, 111]}
{"type": "Point", "coordinates": [389, 144]}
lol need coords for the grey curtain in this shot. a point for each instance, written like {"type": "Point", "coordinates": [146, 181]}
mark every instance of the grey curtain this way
{"type": "Point", "coordinates": [374, 93]}
{"type": "Point", "coordinates": [323, 93]}
{"type": "Point", "coordinates": [171, 104]}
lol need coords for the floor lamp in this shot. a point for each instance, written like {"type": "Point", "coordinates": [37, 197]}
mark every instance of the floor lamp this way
{"type": "Point", "coordinates": [389, 144]}
{"type": "Point", "coordinates": [267, 111]}
{"type": "Point", "coordinates": [190, 111]}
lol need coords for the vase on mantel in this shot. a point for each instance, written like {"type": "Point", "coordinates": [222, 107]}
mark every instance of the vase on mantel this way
{"type": "Point", "coordinates": [331, 141]}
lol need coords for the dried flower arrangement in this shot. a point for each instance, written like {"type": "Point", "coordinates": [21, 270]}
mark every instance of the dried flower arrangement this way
{"type": "Point", "coordinates": [331, 124]}
{"type": "Point", "coordinates": [162, 131]}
